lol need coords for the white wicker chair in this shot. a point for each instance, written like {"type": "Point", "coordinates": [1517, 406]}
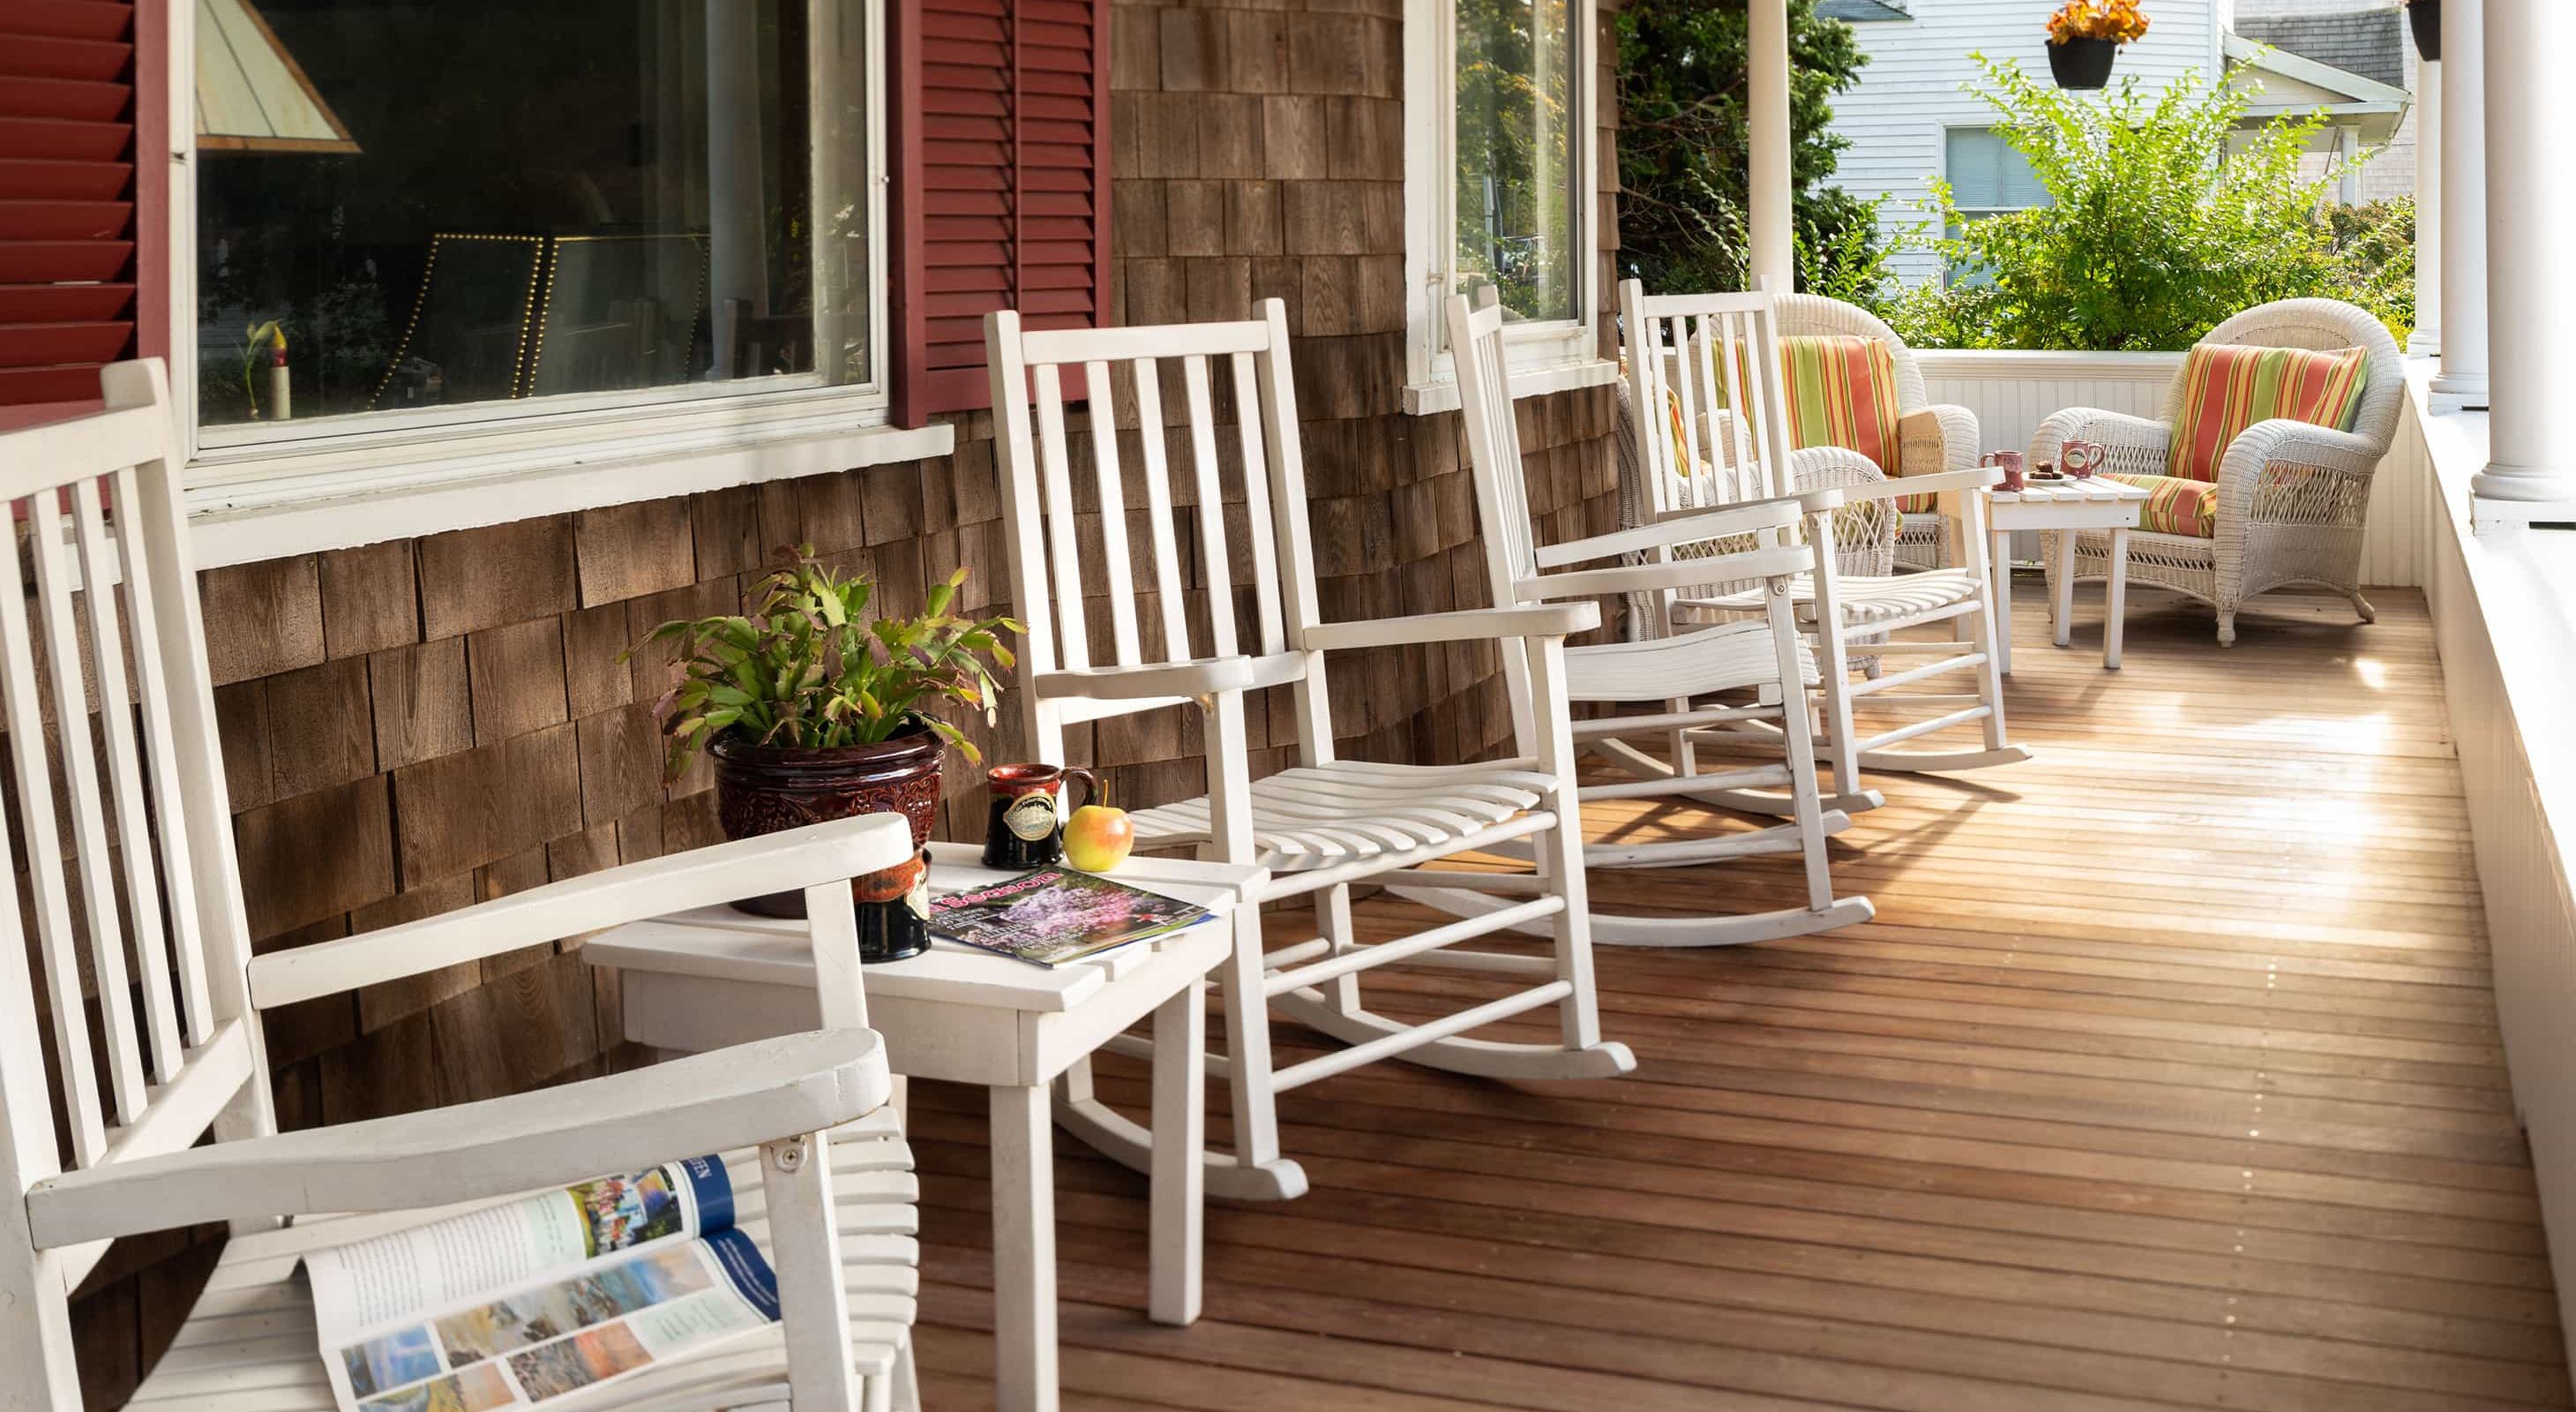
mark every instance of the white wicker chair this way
{"type": "Point", "coordinates": [1931, 439]}
{"type": "Point", "coordinates": [2291, 495]}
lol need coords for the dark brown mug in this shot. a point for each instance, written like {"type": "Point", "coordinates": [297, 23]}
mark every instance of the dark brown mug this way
{"type": "Point", "coordinates": [1025, 828]}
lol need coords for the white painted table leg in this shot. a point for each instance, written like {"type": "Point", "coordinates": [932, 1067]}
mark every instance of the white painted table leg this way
{"type": "Point", "coordinates": [1999, 565]}
{"type": "Point", "coordinates": [2064, 608]}
{"type": "Point", "coordinates": [2115, 598]}
{"type": "Point", "coordinates": [1024, 1375]}
{"type": "Point", "coordinates": [1179, 1201]}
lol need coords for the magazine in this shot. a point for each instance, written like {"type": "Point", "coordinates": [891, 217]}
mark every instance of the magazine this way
{"type": "Point", "coordinates": [1055, 915]}
{"type": "Point", "coordinates": [522, 1303]}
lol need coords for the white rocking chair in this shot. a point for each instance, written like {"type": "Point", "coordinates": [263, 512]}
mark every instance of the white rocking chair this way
{"type": "Point", "coordinates": [1687, 343]}
{"type": "Point", "coordinates": [178, 1033]}
{"type": "Point", "coordinates": [1764, 658]}
{"type": "Point", "coordinates": [1325, 824]}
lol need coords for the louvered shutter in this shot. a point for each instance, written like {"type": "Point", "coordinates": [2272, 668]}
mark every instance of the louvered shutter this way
{"type": "Point", "coordinates": [1002, 183]}
{"type": "Point", "coordinates": [66, 196]}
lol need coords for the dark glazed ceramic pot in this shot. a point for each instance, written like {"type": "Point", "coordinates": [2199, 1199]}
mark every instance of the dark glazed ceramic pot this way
{"type": "Point", "coordinates": [764, 789]}
{"type": "Point", "coordinates": [2425, 18]}
{"type": "Point", "coordinates": [2082, 63]}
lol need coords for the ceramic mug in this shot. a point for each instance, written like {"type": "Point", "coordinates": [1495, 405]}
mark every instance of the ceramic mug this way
{"type": "Point", "coordinates": [2010, 462]}
{"type": "Point", "coordinates": [1025, 828]}
{"type": "Point", "coordinates": [2082, 458]}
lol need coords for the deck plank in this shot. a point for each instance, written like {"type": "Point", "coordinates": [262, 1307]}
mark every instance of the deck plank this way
{"type": "Point", "coordinates": [2167, 1076]}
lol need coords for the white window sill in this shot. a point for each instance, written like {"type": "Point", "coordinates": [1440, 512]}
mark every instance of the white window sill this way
{"type": "Point", "coordinates": [245, 521]}
{"type": "Point", "coordinates": [1424, 398]}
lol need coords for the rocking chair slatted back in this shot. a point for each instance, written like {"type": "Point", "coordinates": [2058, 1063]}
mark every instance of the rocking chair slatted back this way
{"type": "Point", "coordinates": [141, 934]}
{"type": "Point", "coordinates": [1697, 349]}
{"type": "Point", "coordinates": [1128, 377]}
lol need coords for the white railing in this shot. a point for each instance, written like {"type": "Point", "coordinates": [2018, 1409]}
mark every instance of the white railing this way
{"type": "Point", "coordinates": [2504, 623]}
{"type": "Point", "coordinates": [2012, 392]}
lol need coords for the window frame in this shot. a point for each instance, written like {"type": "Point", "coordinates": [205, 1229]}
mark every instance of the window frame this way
{"type": "Point", "coordinates": [1544, 356]}
{"type": "Point", "coordinates": [493, 444]}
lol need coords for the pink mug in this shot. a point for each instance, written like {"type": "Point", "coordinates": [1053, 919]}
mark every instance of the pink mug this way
{"type": "Point", "coordinates": [2010, 462]}
{"type": "Point", "coordinates": [2081, 458]}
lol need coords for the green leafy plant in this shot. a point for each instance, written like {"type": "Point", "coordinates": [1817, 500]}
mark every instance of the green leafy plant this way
{"type": "Point", "coordinates": [2164, 218]}
{"type": "Point", "coordinates": [807, 667]}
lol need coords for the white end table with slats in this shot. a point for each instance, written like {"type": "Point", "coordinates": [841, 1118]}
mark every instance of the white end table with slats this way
{"type": "Point", "coordinates": [701, 980]}
{"type": "Point", "coordinates": [2065, 507]}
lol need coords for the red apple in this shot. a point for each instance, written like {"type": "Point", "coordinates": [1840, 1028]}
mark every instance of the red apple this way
{"type": "Point", "coordinates": [1098, 838]}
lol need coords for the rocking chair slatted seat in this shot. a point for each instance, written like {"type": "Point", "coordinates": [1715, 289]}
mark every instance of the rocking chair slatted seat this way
{"type": "Point", "coordinates": [1325, 823]}
{"type": "Point", "coordinates": [1694, 345]}
{"type": "Point", "coordinates": [1763, 659]}
{"type": "Point", "coordinates": [134, 1064]}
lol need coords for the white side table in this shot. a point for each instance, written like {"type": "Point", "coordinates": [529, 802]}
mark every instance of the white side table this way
{"type": "Point", "coordinates": [2067, 506]}
{"type": "Point", "coordinates": [702, 980]}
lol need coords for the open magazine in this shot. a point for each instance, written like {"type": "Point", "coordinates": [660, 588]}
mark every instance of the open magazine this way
{"type": "Point", "coordinates": [519, 1304]}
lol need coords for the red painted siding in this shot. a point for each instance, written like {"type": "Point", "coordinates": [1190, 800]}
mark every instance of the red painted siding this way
{"type": "Point", "coordinates": [1001, 184]}
{"type": "Point", "coordinates": [67, 196]}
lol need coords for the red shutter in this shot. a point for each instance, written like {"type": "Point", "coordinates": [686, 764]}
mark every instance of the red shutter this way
{"type": "Point", "coordinates": [1001, 183]}
{"type": "Point", "coordinates": [67, 196]}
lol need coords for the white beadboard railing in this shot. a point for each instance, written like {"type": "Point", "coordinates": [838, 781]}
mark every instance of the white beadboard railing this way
{"type": "Point", "coordinates": [2013, 392]}
{"type": "Point", "coordinates": [2504, 623]}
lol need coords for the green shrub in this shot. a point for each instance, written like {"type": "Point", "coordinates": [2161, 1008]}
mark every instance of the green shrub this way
{"type": "Point", "coordinates": [2159, 226]}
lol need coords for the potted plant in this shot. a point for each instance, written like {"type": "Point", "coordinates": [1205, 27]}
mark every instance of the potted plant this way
{"type": "Point", "coordinates": [2425, 18]}
{"type": "Point", "coordinates": [811, 711]}
{"type": "Point", "coordinates": [2085, 35]}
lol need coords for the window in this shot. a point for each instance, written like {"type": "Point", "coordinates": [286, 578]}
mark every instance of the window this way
{"type": "Point", "coordinates": [1986, 177]}
{"type": "Point", "coordinates": [1499, 184]}
{"type": "Point", "coordinates": [415, 223]}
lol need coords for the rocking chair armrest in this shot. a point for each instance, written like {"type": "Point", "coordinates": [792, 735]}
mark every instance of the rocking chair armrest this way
{"type": "Point", "coordinates": [817, 854]}
{"type": "Point", "coordinates": [765, 1091]}
{"type": "Point", "coordinates": [1751, 564]}
{"type": "Point", "coordinates": [1973, 478]}
{"type": "Point", "coordinates": [1204, 676]}
{"type": "Point", "coordinates": [1705, 522]}
{"type": "Point", "coordinates": [1464, 625]}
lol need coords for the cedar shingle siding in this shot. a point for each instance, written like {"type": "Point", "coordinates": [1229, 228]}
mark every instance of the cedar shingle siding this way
{"type": "Point", "coordinates": [411, 726]}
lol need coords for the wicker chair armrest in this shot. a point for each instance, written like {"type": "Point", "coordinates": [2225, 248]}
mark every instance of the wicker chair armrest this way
{"type": "Point", "coordinates": [2268, 469]}
{"type": "Point", "coordinates": [1935, 439]}
{"type": "Point", "coordinates": [2131, 445]}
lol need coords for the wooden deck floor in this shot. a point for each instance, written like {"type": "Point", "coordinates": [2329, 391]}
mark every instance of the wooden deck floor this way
{"type": "Point", "coordinates": [2167, 1077]}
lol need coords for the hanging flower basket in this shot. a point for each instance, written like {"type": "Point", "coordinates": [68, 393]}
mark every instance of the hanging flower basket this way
{"type": "Point", "coordinates": [2082, 63]}
{"type": "Point", "coordinates": [2425, 18]}
{"type": "Point", "coordinates": [2084, 36]}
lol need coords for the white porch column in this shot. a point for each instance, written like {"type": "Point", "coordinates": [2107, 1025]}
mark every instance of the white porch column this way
{"type": "Point", "coordinates": [2426, 340]}
{"type": "Point", "coordinates": [2348, 162]}
{"type": "Point", "coordinates": [2531, 291]}
{"type": "Point", "coordinates": [2463, 381]}
{"type": "Point", "coordinates": [1766, 118]}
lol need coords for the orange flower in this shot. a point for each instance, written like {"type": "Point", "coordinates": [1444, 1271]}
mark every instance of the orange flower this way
{"type": "Point", "coordinates": [2114, 20]}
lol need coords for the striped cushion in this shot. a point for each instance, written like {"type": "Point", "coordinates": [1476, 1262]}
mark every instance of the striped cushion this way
{"type": "Point", "coordinates": [1841, 391]}
{"type": "Point", "coordinates": [2227, 389]}
{"type": "Point", "coordinates": [2176, 505]}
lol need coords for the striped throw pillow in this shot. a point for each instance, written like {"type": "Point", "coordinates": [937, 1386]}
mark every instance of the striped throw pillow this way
{"type": "Point", "coordinates": [1840, 389]}
{"type": "Point", "coordinates": [2227, 389]}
